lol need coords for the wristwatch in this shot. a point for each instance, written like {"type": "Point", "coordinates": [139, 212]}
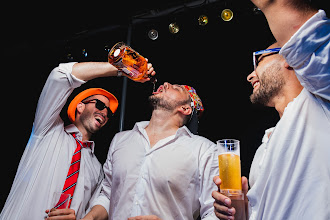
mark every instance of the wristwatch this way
{"type": "Point", "coordinates": [119, 73]}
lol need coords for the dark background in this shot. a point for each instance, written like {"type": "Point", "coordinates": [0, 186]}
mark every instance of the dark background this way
{"type": "Point", "coordinates": [215, 59]}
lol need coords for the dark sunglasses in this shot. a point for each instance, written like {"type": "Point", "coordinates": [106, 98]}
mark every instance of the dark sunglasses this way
{"type": "Point", "coordinates": [100, 106]}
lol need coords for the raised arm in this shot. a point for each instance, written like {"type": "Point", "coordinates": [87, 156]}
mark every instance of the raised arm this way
{"type": "Point", "coordinates": [285, 17]}
{"type": "Point", "coordinates": [91, 70]}
{"type": "Point", "coordinates": [60, 84]}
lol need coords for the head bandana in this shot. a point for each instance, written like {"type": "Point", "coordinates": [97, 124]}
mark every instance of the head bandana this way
{"type": "Point", "coordinates": [198, 105]}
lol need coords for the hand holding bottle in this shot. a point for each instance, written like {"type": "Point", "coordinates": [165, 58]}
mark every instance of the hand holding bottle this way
{"type": "Point", "coordinates": [130, 63]}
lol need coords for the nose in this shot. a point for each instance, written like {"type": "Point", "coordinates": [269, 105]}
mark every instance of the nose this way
{"type": "Point", "coordinates": [104, 112]}
{"type": "Point", "coordinates": [167, 85]}
{"type": "Point", "coordinates": [251, 76]}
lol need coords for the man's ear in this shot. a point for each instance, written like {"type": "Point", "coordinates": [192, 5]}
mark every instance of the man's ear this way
{"type": "Point", "coordinates": [80, 107]}
{"type": "Point", "coordinates": [185, 109]}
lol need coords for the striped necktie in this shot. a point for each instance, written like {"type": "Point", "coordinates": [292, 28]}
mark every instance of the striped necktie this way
{"type": "Point", "coordinates": [72, 177]}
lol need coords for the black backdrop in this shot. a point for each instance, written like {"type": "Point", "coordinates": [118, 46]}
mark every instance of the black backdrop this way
{"type": "Point", "coordinates": [215, 59]}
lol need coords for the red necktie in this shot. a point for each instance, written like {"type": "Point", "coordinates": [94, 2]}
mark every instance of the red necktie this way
{"type": "Point", "coordinates": [72, 177]}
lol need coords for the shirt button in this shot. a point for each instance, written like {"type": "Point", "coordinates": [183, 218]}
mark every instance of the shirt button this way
{"type": "Point", "coordinates": [136, 203]}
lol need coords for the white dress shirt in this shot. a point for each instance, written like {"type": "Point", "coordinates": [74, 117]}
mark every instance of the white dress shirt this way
{"type": "Point", "coordinates": [294, 177]}
{"type": "Point", "coordinates": [172, 180]}
{"type": "Point", "coordinates": [47, 157]}
{"type": "Point", "coordinates": [259, 157]}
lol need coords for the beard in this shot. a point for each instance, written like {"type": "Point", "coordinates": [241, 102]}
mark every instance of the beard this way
{"type": "Point", "coordinates": [87, 120]}
{"type": "Point", "coordinates": [159, 103]}
{"type": "Point", "coordinates": [271, 83]}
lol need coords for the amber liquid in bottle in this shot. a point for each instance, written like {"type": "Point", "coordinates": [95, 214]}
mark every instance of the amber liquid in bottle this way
{"type": "Point", "coordinates": [130, 62]}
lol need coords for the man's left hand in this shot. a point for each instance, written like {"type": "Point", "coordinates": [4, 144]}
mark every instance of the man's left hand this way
{"type": "Point", "coordinates": [150, 73]}
{"type": "Point", "coordinates": [61, 214]}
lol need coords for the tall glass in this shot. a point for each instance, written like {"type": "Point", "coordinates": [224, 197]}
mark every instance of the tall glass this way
{"type": "Point", "coordinates": [230, 174]}
{"type": "Point", "coordinates": [130, 62]}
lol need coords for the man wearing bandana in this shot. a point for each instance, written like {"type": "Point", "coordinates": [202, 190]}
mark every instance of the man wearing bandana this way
{"type": "Point", "coordinates": [159, 169]}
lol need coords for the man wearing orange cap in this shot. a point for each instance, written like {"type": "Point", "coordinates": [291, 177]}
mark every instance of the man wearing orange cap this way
{"type": "Point", "coordinates": [159, 169]}
{"type": "Point", "coordinates": [60, 159]}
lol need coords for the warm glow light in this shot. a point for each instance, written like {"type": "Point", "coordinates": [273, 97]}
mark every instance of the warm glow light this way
{"type": "Point", "coordinates": [227, 15]}
{"type": "Point", "coordinates": [174, 28]}
{"type": "Point", "coordinates": [203, 20]}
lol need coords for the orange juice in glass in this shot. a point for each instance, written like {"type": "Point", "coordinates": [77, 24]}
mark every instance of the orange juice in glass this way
{"type": "Point", "coordinates": [229, 166]}
{"type": "Point", "coordinates": [230, 174]}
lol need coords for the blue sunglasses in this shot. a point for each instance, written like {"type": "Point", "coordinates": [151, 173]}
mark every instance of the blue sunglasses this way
{"type": "Point", "coordinates": [260, 52]}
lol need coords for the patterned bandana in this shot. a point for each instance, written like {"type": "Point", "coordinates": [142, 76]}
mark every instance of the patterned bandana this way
{"type": "Point", "coordinates": [195, 99]}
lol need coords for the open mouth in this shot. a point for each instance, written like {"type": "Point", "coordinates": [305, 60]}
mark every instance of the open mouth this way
{"type": "Point", "coordinates": [100, 119]}
{"type": "Point", "coordinates": [159, 90]}
{"type": "Point", "coordinates": [255, 84]}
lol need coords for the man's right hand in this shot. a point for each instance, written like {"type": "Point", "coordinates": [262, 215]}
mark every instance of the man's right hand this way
{"type": "Point", "coordinates": [222, 203]}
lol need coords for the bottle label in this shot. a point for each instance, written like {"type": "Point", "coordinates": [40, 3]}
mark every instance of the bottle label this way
{"type": "Point", "coordinates": [125, 70]}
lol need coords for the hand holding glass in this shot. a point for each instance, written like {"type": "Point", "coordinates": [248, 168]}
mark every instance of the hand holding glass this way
{"type": "Point", "coordinates": [230, 174]}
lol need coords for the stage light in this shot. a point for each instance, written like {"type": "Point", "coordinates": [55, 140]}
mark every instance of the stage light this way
{"type": "Point", "coordinates": [227, 14]}
{"type": "Point", "coordinates": [174, 28]}
{"type": "Point", "coordinates": [69, 57]}
{"type": "Point", "coordinates": [84, 52]}
{"type": "Point", "coordinates": [107, 48]}
{"type": "Point", "coordinates": [153, 34]}
{"type": "Point", "coordinates": [203, 20]}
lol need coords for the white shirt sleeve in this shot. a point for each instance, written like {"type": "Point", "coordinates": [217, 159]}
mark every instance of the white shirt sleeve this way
{"type": "Point", "coordinates": [308, 52]}
{"type": "Point", "coordinates": [57, 89]}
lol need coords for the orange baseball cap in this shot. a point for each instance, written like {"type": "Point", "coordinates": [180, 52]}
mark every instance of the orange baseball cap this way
{"type": "Point", "coordinates": [87, 93]}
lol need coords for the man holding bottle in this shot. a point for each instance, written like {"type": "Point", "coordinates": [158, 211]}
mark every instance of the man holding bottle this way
{"type": "Point", "coordinates": [49, 154]}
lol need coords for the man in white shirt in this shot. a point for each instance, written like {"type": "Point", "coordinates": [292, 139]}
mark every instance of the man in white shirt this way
{"type": "Point", "coordinates": [159, 169]}
{"type": "Point", "coordinates": [259, 157]}
{"type": "Point", "coordinates": [46, 160]}
{"type": "Point", "coordinates": [294, 172]}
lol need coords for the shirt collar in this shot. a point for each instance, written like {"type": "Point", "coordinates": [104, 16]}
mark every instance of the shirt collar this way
{"type": "Point", "coordinates": [267, 135]}
{"type": "Point", "coordinates": [73, 129]}
{"type": "Point", "coordinates": [140, 126]}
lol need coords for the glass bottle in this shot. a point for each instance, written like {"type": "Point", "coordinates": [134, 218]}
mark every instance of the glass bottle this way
{"type": "Point", "coordinates": [130, 62]}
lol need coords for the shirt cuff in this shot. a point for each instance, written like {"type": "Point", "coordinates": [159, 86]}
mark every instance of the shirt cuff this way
{"type": "Point", "coordinates": [305, 41]}
{"type": "Point", "coordinates": [210, 216]}
{"type": "Point", "coordinates": [66, 68]}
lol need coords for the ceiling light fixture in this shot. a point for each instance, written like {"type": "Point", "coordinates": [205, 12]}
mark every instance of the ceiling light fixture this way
{"type": "Point", "coordinates": [153, 34]}
{"type": "Point", "coordinates": [174, 28]}
{"type": "Point", "coordinates": [203, 20]}
{"type": "Point", "coordinates": [227, 14]}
